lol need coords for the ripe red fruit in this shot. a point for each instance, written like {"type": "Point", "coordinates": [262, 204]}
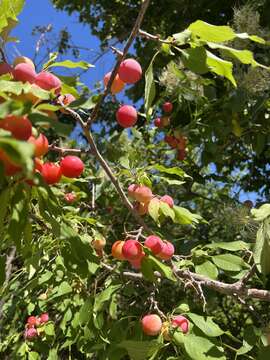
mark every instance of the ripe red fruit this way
{"type": "Point", "coordinates": [142, 194]}
{"type": "Point", "coordinates": [51, 173]}
{"type": "Point", "coordinates": [24, 72]}
{"type": "Point", "coordinates": [44, 318]}
{"type": "Point", "coordinates": [32, 321]}
{"type": "Point", "coordinates": [154, 243]}
{"type": "Point", "coordinates": [132, 249]}
{"type": "Point", "coordinates": [168, 200]}
{"type": "Point", "coordinates": [65, 100]}
{"type": "Point", "coordinates": [130, 71]}
{"type": "Point", "coordinates": [98, 244]}
{"type": "Point", "coordinates": [151, 324]}
{"type": "Point", "coordinates": [167, 251]}
{"type": "Point", "coordinates": [158, 123]}
{"type": "Point", "coordinates": [165, 121]}
{"type": "Point", "coordinates": [41, 144]}
{"type": "Point", "coordinates": [171, 140]}
{"type": "Point", "coordinates": [19, 126]}
{"type": "Point", "coordinates": [70, 197]}
{"type": "Point", "coordinates": [248, 204]}
{"type": "Point", "coordinates": [117, 84]}
{"type": "Point", "coordinates": [182, 142]}
{"type": "Point", "coordinates": [71, 166]}
{"type": "Point", "coordinates": [126, 116]}
{"type": "Point", "coordinates": [30, 333]}
{"type": "Point", "coordinates": [47, 81]}
{"type": "Point", "coordinates": [181, 155]}
{"type": "Point", "coordinates": [5, 68]}
{"type": "Point", "coordinates": [137, 263]}
{"type": "Point", "coordinates": [117, 248]}
{"type": "Point", "coordinates": [131, 190]}
{"type": "Point", "coordinates": [181, 322]}
{"type": "Point", "coordinates": [167, 107]}
{"type": "Point", "coordinates": [10, 168]}
{"type": "Point", "coordinates": [23, 59]}
{"type": "Point", "coordinates": [141, 208]}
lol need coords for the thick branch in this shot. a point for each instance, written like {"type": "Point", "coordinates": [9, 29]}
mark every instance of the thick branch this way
{"type": "Point", "coordinates": [132, 36]}
{"type": "Point", "coordinates": [221, 287]}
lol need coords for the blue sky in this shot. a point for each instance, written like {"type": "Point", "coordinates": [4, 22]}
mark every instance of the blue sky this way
{"type": "Point", "coordinates": [42, 13]}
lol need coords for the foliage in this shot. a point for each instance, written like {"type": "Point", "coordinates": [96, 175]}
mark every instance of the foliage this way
{"type": "Point", "coordinates": [48, 260]}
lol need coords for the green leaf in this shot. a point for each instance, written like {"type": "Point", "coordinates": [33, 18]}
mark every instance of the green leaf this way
{"type": "Point", "coordinates": [262, 248]}
{"type": "Point", "coordinates": [201, 348]}
{"type": "Point", "coordinates": [185, 217]}
{"type": "Point", "coordinates": [71, 64]}
{"type": "Point", "coordinates": [105, 296]}
{"type": "Point", "coordinates": [209, 32]}
{"type": "Point", "coordinates": [208, 269]}
{"type": "Point", "coordinates": [153, 209]}
{"type": "Point", "coordinates": [171, 170]}
{"type": "Point", "coordinates": [220, 67]}
{"type": "Point", "coordinates": [262, 213]}
{"type": "Point", "coordinates": [2, 269]}
{"type": "Point", "coordinates": [49, 329]}
{"type": "Point", "coordinates": [249, 340]}
{"type": "Point", "coordinates": [147, 269]}
{"type": "Point", "coordinates": [4, 201]}
{"type": "Point", "coordinates": [32, 355]}
{"type": "Point", "coordinates": [9, 10]}
{"type": "Point", "coordinates": [45, 277]}
{"type": "Point", "coordinates": [140, 350]}
{"type": "Point", "coordinates": [231, 245]}
{"type": "Point", "coordinates": [53, 355]}
{"type": "Point", "coordinates": [85, 313]}
{"type": "Point", "coordinates": [182, 37]}
{"type": "Point", "coordinates": [165, 270]}
{"type": "Point", "coordinates": [166, 210]}
{"type": "Point", "coordinates": [63, 289]}
{"type": "Point", "coordinates": [195, 60]}
{"type": "Point", "coordinates": [264, 353]}
{"type": "Point", "coordinates": [150, 88]}
{"type": "Point", "coordinates": [39, 119]}
{"type": "Point", "coordinates": [228, 262]}
{"type": "Point", "coordinates": [206, 325]}
{"type": "Point", "coordinates": [254, 38]}
{"type": "Point", "coordinates": [20, 152]}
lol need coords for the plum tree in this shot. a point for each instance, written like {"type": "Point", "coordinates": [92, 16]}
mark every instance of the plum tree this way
{"type": "Point", "coordinates": [71, 166]}
{"type": "Point", "coordinates": [23, 60]}
{"type": "Point", "coordinates": [126, 116]}
{"type": "Point", "coordinates": [168, 200]}
{"type": "Point", "coordinates": [19, 126]}
{"type": "Point", "coordinates": [167, 107]}
{"type": "Point", "coordinates": [151, 324]}
{"type": "Point", "coordinates": [51, 173]}
{"type": "Point", "coordinates": [5, 68]}
{"type": "Point", "coordinates": [130, 71]}
{"type": "Point", "coordinates": [154, 243]}
{"type": "Point", "coordinates": [41, 144]}
{"type": "Point", "coordinates": [47, 81]}
{"type": "Point", "coordinates": [24, 72]}
{"type": "Point", "coordinates": [132, 249]}
{"type": "Point", "coordinates": [117, 250]}
{"type": "Point", "coordinates": [117, 85]}
{"type": "Point", "coordinates": [167, 251]}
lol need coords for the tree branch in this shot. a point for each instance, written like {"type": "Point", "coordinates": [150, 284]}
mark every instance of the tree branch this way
{"type": "Point", "coordinates": [132, 36]}
{"type": "Point", "coordinates": [234, 289]}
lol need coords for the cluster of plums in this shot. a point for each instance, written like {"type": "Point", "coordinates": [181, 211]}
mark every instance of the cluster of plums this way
{"type": "Point", "coordinates": [129, 72]}
{"type": "Point", "coordinates": [152, 325]}
{"type": "Point", "coordinates": [175, 140]}
{"type": "Point", "coordinates": [143, 195]}
{"type": "Point", "coordinates": [33, 323]}
{"type": "Point", "coordinates": [133, 251]}
{"type": "Point", "coordinates": [21, 128]}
